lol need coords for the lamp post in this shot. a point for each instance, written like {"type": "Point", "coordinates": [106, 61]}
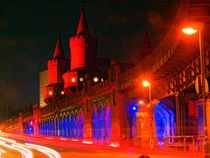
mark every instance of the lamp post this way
{"type": "Point", "coordinates": [191, 31]}
{"type": "Point", "coordinates": [151, 114]}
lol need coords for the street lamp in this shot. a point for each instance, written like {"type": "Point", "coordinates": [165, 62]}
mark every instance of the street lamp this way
{"type": "Point", "coordinates": [191, 31]}
{"type": "Point", "coordinates": [151, 114]}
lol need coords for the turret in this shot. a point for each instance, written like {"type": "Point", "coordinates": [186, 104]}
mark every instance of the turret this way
{"type": "Point", "coordinates": [83, 47]}
{"type": "Point", "coordinates": [57, 66]}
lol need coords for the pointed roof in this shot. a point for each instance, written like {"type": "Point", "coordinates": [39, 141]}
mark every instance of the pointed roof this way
{"type": "Point", "coordinates": [82, 28]}
{"type": "Point", "coordinates": [147, 46]}
{"type": "Point", "coordinates": [59, 53]}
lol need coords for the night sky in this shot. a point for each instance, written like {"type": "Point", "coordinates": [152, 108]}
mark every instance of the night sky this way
{"type": "Point", "coordinates": [28, 32]}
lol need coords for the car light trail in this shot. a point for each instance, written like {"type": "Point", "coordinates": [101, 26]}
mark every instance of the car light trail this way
{"type": "Point", "coordinates": [44, 149]}
{"type": "Point", "coordinates": [25, 152]}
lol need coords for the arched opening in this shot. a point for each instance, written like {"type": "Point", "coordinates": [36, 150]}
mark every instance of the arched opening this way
{"type": "Point", "coordinates": [72, 126]}
{"type": "Point", "coordinates": [64, 126]}
{"type": "Point", "coordinates": [69, 126]}
{"type": "Point", "coordinates": [132, 109]}
{"type": "Point", "coordinates": [108, 123]}
{"type": "Point", "coordinates": [164, 121]}
{"type": "Point", "coordinates": [95, 124]}
{"type": "Point", "coordinates": [76, 126]}
{"type": "Point", "coordinates": [81, 125]}
{"type": "Point", "coordinates": [61, 126]}
{"type": "Point", "coordinates": [56, 127]}
{"type": "Point", "coordinates": [101, 123]}
{"type": "Point", "coordinates": [52, 127]}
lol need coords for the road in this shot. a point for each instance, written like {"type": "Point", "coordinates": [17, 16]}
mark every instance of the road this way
{"type": "Point", "coordinates": [12, 146]}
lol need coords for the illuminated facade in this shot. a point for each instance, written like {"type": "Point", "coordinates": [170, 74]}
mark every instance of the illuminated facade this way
{"type": "Point", "coordinates": [43, 82]}
{"type": "Point", "coordinates": [98, 101]}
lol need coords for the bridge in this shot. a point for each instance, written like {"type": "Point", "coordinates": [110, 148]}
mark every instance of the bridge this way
{"type": "Point", "coordinates": [99, 113]}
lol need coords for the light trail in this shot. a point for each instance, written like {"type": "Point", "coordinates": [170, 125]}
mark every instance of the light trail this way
{"type": "Point", "coordinates": [45, 150]}
{"type": "Point", "coordinates": [24, 149]}
{"type": "Point", "coordinates": [2, 152]}
{"type": "Point", "coordinates": [25, 152]}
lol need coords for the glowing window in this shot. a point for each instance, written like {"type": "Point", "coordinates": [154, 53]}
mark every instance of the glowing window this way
{"type": "Point", "coordinates": [50, 93]}
{"type": "Point", "coordinates": [73, 80]}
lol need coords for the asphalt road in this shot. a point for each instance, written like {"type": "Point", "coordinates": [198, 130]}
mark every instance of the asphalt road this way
{"type": "Point", "coordinates": [52, 147]}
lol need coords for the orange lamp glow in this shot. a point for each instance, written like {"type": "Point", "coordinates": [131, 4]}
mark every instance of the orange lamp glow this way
{"type": "Point", "coordinates": [62, 92]}
{"type": "Point", "coordinates": [189, 30]}
{"type": "Point", "coordinates": [141, 102]}
{"type": "Point", "coordinates": [145, 83]}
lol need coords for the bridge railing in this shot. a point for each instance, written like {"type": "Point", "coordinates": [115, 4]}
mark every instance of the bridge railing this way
{"type": "Point", "coordinates": [186, 143]}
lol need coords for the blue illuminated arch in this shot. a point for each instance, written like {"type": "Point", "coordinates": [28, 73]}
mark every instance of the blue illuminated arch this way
{"type": "Point", "coordinates": [64, 126]}
{"type": "Point", "coordinates": [72, 126]}
{"type": "Point", "coordinates": [56, 127]}
{"type": "Point", "coordinates": [165, 121]}
{"type": "Point", "coordinates": [81, 125]}
{"type": "Point", "coordinates": [101, 123]}
{"type": "Point", "coordinates": [69, 126]}
{"type": "Point", "coordinates": [61, 126]}
{"type": "Point", "coordinates": [108, 123]}
{"type": "Point", "coordinates": [132, 110]}
{"type": "Point", "coordinates": [95, 123]}
{"type": "Point", "coordinates": [76, 126]}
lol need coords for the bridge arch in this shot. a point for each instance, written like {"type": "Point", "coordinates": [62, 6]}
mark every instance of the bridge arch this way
{"type": "Point", "coordinates": [164, 121]}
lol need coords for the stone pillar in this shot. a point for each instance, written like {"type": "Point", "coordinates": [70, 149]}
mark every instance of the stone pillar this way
{"type": "Point", "coordinates": [87, 120]}
{"type": "Point", "coordinates": [36, 119]}
{"type": "Point", "coordinates": [207, 130]}
{"type": "Point", "coordinates": [179, 115]}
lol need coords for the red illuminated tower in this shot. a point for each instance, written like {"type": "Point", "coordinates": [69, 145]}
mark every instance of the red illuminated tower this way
{"type": "Point", "coordinates": [57, 66]}
{"type": "Point", "coordinates": [83, 53]}
{"type": "Point", "coordinates": [83, 47]}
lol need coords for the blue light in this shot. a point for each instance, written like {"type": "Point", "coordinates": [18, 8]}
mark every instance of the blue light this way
{"type": "Point", "coordinates": [134, 108]}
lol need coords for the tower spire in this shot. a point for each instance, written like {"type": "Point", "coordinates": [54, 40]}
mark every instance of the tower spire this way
{"type": "Point", "coordinates": [59, 53]}
{"type": "Point", "coordinates": [147, 46]}
{"type": "Point", "coordinates": [82, 28]}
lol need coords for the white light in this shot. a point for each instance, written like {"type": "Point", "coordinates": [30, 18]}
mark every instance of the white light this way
{"type": "Point", "coordinates": [87, 142]}
{"type": "Point", "coordinates": [189, 30]}
{"type": "Point", "coordinates": [50, 93]}
{"type": "Point", "coordinates": [141, 102]}
{"type": "Point", "coordinates": [95, 79]}
{"type": "Point", "coordinates": [73, 80]}
{"type": "Point", "coordinates": [114, 145]}
{"type": "Point", "coordinates": [145, 83]}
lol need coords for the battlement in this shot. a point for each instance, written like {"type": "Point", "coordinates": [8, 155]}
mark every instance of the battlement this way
{"type": "Point", "coordinates": [75, 40]}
